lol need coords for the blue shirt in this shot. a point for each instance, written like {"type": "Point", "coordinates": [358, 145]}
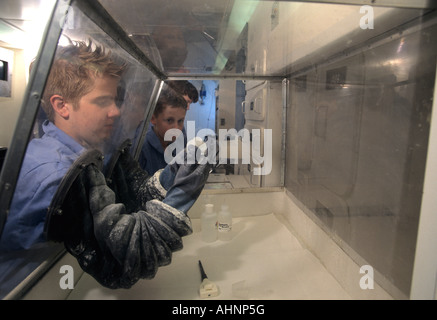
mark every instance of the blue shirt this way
{"type": "Point", "coordinates": [152, 157]}
{"type": "Point", "coordinates": [46, 162]}
{"type": "Point", "coordinates": [152, 153]}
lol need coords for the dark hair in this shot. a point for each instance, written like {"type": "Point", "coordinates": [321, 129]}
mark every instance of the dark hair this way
{"type": "Point", "coordinates": [184, 87]}
{"type": "Point", "coordinates": [169, 98]}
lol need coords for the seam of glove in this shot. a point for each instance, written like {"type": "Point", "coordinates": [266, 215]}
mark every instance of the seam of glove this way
{"type": "Point", "coordinates": [154, 206]}
{"type": "Point", "coordinates": [157, 184]}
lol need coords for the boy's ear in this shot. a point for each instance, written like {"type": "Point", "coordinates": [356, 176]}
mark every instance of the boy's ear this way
{"type": "Point", "coordinates": [58, 104]}
{"type": "Point", "coordinates": [153, 120]}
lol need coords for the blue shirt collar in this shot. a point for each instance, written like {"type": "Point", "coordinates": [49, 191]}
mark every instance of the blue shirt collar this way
{"type": "Point", "coordinates": [53, 131]}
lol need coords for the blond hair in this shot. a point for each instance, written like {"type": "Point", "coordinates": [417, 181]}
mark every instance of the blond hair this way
{"type": "Point", "coordinates": [73, 72]}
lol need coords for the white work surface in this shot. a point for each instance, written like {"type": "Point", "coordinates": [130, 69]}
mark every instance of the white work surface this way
{"type": "Point", "coordinates": [262, 261]}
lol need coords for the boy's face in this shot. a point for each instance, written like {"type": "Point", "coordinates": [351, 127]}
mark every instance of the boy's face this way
{"type": "Point", "coordinates": [169, 118]}
{"type": "Point", "coordinates": [93, 121]}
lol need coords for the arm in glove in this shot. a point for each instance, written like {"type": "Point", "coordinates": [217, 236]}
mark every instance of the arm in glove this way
{"type": "Point", "coordinates": [179, 182]}
{"type": "Point", "coordinates": [189, 179]}
{"type": "Point", "coordinates": [131, 183]}
{"type": "Point", "coordinates": [118, 248]}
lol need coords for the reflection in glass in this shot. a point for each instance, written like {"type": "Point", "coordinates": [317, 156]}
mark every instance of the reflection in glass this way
{"type": "Point", "coordinates": [359, 157]}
